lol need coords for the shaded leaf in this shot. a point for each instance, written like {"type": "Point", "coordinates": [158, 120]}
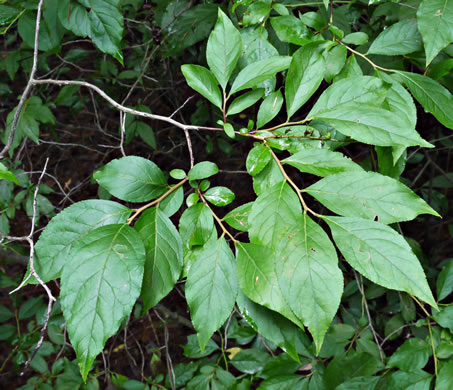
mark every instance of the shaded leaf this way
{"type": "Point", "coordinates": [203, 81]}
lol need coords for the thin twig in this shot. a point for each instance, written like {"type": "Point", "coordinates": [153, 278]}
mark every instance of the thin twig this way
{"type": "Point", "coordinates": [123, 132]}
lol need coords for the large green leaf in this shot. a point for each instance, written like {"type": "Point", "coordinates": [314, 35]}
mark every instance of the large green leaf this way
{"type": "Point", "coordinates": [267, 178]}
{"type": "Point", "coordinates": [258, 72]}
{"type": "Point", "coordinates": [304, 76]}
{"type": "Point", "coordinates": [369, 195]}
{"type": "Point", "coordinates": [398, 39]}
{"type": "Point", "coordinates": [224, 49]}
{"type": "Point", "coordinates": [309, 277]}
{"type": "Point", "coordinates": [164, 255]}
{"type": "Point", "coordinates": [433, 97]}
{"type": "Point", "coordinates": [291, 29]}
{"type": "Point", "coordinates": [74, 17]}
{"type": "Point", "coordinates": [380, 254]}
{"type": "Point", "coordinates": [321, 162]}
{"type": "Point", "coordinates": [435, 22]}
{"type": "Point", "coordinates": [445, 377]}
{"type": "Point", "coordinates": [372, 125]}
{"type": "Point", "coordinates": [399, 101]}
{"type": "Point", "coordinates": [100, 283]}
{"type": "Point", "coordinates": [257, 279]}
{"type": "Point", "coordinates": [132, 178]}
{"type": "Point", "coordinates": [410, 356]}
{"type": "Point", "coordinates": [273, 212]}
{"type": "Point", "coordinates": [203, 81]}
{"type": "Point", "coordinates": [238, 218]}
{"type": "Point", "coordinates": [211, 289]}
{"type": "Point", "coordinates": [70, 226]}
{"type": "Point", "coordinates": [196, 225]}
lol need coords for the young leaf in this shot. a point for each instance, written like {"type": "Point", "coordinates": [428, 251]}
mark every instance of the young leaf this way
{"type": "Point", "coordinates": [398, 39]}
{"type": "Point", "coordinates": [246, 100]}
{"type": "Point", "coordinates": [202, 80]}
{"type": "Point", "coordinates": [381, 255]}
{"type": "Point", "coordinates": [273, 212]}
{"type": "Point", "coordinates": [258, 72]}
{"type": "Point", "coordinates": [5, 174]}
{"type": "Point", "coordinates": [369, 195]}
{"type": "Point", "coordinates": [196, 225]}
{"type": "Point", "coordinates": [219, 196]}
{"type": "Point", "coordinates": [304, 76]}
{"type": "Point", "coordinates": [257, 279]}
{"type": "Point", "coordinates": [132, 178]}
{"type": "Point", "coordinates": [238, 218]}
{"type": "Point", "coordinates": [224, 49]}
{"type": "Point", "coordinates": [257, 159]}
{"type": "Point", "coordinates": [211, 289]}
{"type": "Point", "coordinates": [433, 97]}
{"type": "Point", "coordinates": [321, 162]}
{"type": "Point", "coordinates": [70, 226]}
{"type": "Point", "coordinates": [309, 277]}
{"type": "Point", "coordinates": [435, 22]}
{"type": "Point", "coordinates": [164, 256]}
{"type": "Point", "coordinates": [229, 130]}
{"type": "Point", "coordinates": [269, 109]}
{"type": "Point", "coordinates": [372, 125]}
{"type": "Point", "coordinates": [100, 283]}
{"type": "Point", "coordinates": [202, 170]}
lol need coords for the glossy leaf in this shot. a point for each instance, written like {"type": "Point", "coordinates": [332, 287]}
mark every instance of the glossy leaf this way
{"type": "Point", "coordinates": [211, 289]}
{"type": "Point", "coordinates": [309, 277]}
{"type": "Point", "coordinates": [445, 281]}
{"type": "Point", "coordinates": [5, 174]}
{"type": "Point", "coordinates": [172, 202]}
{"type": "Point", "coordinates": [335, 60]}
{"type": "Point", "coordinates": [245, 101]}
{"type": "Point", "coordinates": [260, 71]}
{"type": "Point", "coordinates": [291, 29]}
{"type": "Point", "coordinates": [196, 225]}
{"type": "Point", "coordinates": [100, 283]}
{"type": "Point", "coordinates": [321, 162]}
{"type": "Point", "coordinates": [433, 97]}
{"type": "Point", "coordinates": [219, 196]}
{"type": "Point", "coordinates": [132, 178]}
{"type": "Point", "coordinates": [356, 38]}
{"type": "Point", "coordinates": [203, 170]}
{"type": "Point", "coordinates": [304, 76]}
{"type": "Point", "coordinates": [203, 81]}
{"type": "Point", "coordinates": [381, 255]}
{"type": "Point", "coordinates": [269, 109]}
{"type": "Point", "coordinates": [369, 195]}
{"type": "Point", "coordinates": [435, 22]}
{"type": "Point", "coordinates": [164, 255]}
{"type": "Point", "coordinates": [68, 227]}
{"type": "Point", "coordinates": [273, 212]}
{"type": "Point", "coordinates": [238, 218]}
{"type": "Point", "coordinates": [224, 49]}
{"type": "Point", "coordinates": [257, 159]}
{"type": "Point", "coordinates": [398, 39]}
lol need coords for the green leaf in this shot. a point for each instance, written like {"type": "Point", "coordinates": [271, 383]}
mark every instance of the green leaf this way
{"type": "Point", "coordinates": [250, 361]}
{"type": "Point", "coordinates": [280, 9]}
{"type": "Point", "coordinates": [100, 283]}
{"type": "Point", "coordinates": [8, 14]}
{"type": "Point", "coordinates": [224, 49]}
{"type": "Point", "coordinates": [433, 97]}
{"type": "Point", "coordinates": [309, 277]}
{"type": "Point", "coordinates": [445, 377]}
{"type": "Point", "coordinates": [196, 225]}
{"type": "Point", "coordinates": [321, 162]}
{"type": "Point", "coordinates": [70, 226]}
{"type": "Point", "coordinates": [257, 159]}
{"type": "Point", "coordinates": [74, 17]}
{"type": "Point", "coordinates": [269, 109]}
{"type": "Point", "coordinates": [258, 280]}
{"type": "Point", "coordinates": [435, 22]}
{"type": "Point", "coordinates": [410, 356]}
{"type": "Point", "coordinates": [238, 218]}
{"type": "Point", "coordinates": [415, 380]}
{"type": "Point", "coordinates": [291, 29]}
{"type": "Point", "coordinates": [445, 317]}
{"type": "Point", "coordinates": [173, 202]}
{"type": "Point", "coordinates": [267, 178]}
{"type": "Point", "coordinates": [229, 130]}
{"type": "Point", "coordinates": [381, 255]}
{"type": "Point", "coordinates": [5, 174]}
{"type": "Point", "coordinates": [359, 383]}
{"type": "Point", "coordinates": [203, 81]}
{"type": "Point", "coordinates": [372, 125]}
{"type": "Point", "coordinates": [178, 174]}
{"type": "Point", "coordinates": [356, 38]}
{"type": "Point", "coordinates": [269, 324]}
{"type": "Point", "coordinates": [211, 289]}
{"type": "Point", "coordinates": [258, 72]}
{"type": "Point", "coordinates": [202, 170]}
{"type": "Point", "coordinates": [132, 178]}
{"type": "Point", "coordinates": [304, 76]}
{"type": "Point", "coordinates": [244, 101]}
{"type": "Point", "coordinates": [285, 382]}
{"type": "Point", "coordinates": [369, 195]}
{"type": "Point", "coordinates": [272, 213]}
{"type": "Point", "coordinates": [219, 196]}
{"type": "Point", "coordinates": [445, 281]}
{"type": "Point", "coordinates": [257, 12]}
{"type": "Point", "coordinates": [398, 39]}
{"type": "Point", "coordinates": [335, 59]}
{"type": "Point", "coordinates": [164, 255]}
